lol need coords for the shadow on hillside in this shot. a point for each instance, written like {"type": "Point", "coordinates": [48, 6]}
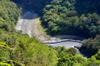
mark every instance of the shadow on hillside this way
{"type": "Point", "coordinates": [87, 6]}
{"type": "Point", "coordinates": [32, 5]}
{"type": "Point", "coordinates": [29, 15]}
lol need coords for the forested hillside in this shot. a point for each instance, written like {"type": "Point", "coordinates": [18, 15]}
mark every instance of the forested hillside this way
{"type": "Point", "coordinates": [9, 13]}
{"type": "Point", "coordinates": [59, 17]}
{"type": "Point", "coordinates": [74, 17]}
{"type": "Point", "coordinates": [17, 49]}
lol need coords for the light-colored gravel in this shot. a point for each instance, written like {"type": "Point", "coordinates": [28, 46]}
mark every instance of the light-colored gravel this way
{"type": "Point", "coordinates": [27, 23]}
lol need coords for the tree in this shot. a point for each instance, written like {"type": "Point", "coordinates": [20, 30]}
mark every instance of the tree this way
{"type": "Point", "coordinates": [97, 56]}
{"type": "Point", "coordinates": [9, 14]}
{"type": "Point", "coordinates": [63, 17]}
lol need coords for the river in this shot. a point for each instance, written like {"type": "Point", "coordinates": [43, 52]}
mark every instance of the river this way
{"type": "Point", "coordinates": [26, 24]}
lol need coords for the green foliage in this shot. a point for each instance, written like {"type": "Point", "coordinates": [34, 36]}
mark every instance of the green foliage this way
{"type": "Point", "coordinates": [92, 43]}
{"type": "Point", "coordinates": [4, 64]}
{"type": "Point", "coordinates": [97, 56]}
{"type": "Point", "coordinates": [39, 54]}
{"type": "Point", "coordinates": [28, 51]}
{"type": "Point", "coordinates": [9, 13]}
{"type": "Point", "coordinates": [21, 49]}
{"type": "Point", "coordinates": [61, 17]}
{"type": "Point", "coordinates": [93, 62]}
{"type": "Point", "coordinates": [18, 48]}
{"type": "Point", "coordinates": [69, 58]}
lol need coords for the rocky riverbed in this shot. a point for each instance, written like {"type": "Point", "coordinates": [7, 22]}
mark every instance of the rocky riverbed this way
{"type": "Point", "coordinates": [27, 23]}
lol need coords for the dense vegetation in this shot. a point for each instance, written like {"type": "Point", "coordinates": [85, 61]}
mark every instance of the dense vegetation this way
{"type": "Point", "coordinates": [90, 46]}
{"type": "Point", "coordinates": [70, 57]}
{"type": "Point", "coordinates": [92, 43]}
{"type": "Point", "coordinates": [8, 15]}
{"type": "Point", "coordinates": [75, 17]}
{"type": "Point", "coordinates": [17, 49]}
{"type": "Point", "coordinates": [60, 16]}
{"type": "Point", "coordinates": [22, 50]}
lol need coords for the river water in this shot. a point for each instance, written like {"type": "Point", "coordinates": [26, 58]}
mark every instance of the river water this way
{"type": "Point", "coordinates": [26, 25]}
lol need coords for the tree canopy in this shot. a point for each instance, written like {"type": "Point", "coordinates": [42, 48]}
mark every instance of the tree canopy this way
{"type": "Point", "coordinates": [59, 17]}
{"type": "Point", "coordinates": [63, 17]}
{"type": "Point", "coordinates": [9, 13]}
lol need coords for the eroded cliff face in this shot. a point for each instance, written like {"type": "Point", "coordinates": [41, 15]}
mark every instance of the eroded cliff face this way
{"type": "Point", "coordinates": [36, 5]}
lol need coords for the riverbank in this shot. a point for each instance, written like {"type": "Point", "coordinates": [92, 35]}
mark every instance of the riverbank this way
{"type": "Point", "coordinates": [29, 23]}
